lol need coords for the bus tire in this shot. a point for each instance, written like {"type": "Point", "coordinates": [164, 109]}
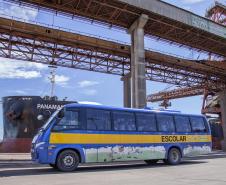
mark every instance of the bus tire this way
{"type": "Point", "coordinates": [150, 162]}
{"type": "Point", "coordinates": [67, 161]}
{"type": "Point", "coordinates": [54, 166]}
{"type": "Point", "coordinates": [174, 156]}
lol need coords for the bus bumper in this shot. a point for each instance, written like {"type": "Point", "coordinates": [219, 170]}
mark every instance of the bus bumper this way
{"type": "Point", "coordinates": [39, 153]}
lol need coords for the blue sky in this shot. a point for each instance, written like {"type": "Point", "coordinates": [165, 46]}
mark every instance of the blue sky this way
{"type": "Point", "coordinates": [24, 78]}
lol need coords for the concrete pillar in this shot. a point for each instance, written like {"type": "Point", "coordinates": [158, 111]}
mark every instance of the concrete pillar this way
{"type": "Point", "coordinates": [223, 117]}
{"type": "Point", "coordinates": [138, 62]}
{"type": "Point", "coordinates": [127, 90]}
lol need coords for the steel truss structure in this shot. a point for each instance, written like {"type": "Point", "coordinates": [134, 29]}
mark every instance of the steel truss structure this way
{"type": "Point", "coordinates": [122, 14]}
{"type": "Point", "coordinates": [217, 13]}
{"type": "Point", "coordinates": [35, 43]}
{"type": "Point", "coordinates": [185, 92]}
{"type": "Point", "coordinates": [176, 93]}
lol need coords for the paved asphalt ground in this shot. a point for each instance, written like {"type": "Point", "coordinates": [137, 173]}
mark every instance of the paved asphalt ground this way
{"type": "Point", "coordinates": [204, 170]}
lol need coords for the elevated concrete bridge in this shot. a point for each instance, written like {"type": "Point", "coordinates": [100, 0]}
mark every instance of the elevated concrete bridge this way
{"type": "Point", "coordinates": [164, 20]}
{"type": "Point", "coordinates": [37, 43]}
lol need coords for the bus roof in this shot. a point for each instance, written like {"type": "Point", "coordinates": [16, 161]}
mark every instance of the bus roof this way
{"type": "Point", "coordinates": [74, 105]}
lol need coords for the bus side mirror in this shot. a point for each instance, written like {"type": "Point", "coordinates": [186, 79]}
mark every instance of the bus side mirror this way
{"type": "Point", "coordinates": [60, 114]}
{"type": "Point", "coordinates": [40, 117]}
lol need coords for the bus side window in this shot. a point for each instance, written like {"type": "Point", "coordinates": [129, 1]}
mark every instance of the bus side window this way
{"type": "Point", "coordinates": [165, 123]}
{"type": "Point", "coordinates": [124, 121]}
{"type": "Point", "coordinates": [69, 120]}
{"type": "Point", "coordinates": [182, 124]}
{"type": "Point", "coordinates": [146, 122]}
{"type": "Point", "coordinates": [198, 124]}
{"type": "Point", "coordinates": [98, 119]}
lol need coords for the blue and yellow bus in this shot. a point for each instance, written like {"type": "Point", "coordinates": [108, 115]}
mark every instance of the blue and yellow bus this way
{"type": "Point", "coordinates": [82, 133]}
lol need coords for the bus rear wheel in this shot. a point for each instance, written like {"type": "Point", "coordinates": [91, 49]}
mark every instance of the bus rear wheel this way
{"type": "Point", "coordinates": [150, 162]}
{"type": "Point", "coordinates": [67, 161]}
{"type": "Point", "coordinates": [174, 157]}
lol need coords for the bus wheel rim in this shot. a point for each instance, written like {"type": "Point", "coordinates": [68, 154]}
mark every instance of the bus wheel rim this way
{"type": "Point", "coordinates": [175, 156]}
{"type": "Point", "coordinates": [68, 161]}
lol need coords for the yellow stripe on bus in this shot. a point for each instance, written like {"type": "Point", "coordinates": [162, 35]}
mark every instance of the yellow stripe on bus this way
{"type": "Point", "coordinates": [75, 138]}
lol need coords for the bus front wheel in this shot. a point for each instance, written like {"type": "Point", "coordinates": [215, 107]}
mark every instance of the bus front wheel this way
{"type": "Point", "coordinates": [174, 157]}
{"type": "Point", "coordinates": [67, 161]}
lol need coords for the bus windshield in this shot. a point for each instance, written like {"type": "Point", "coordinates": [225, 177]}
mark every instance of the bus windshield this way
{"type": "Point", "coordinates": [51, 118]}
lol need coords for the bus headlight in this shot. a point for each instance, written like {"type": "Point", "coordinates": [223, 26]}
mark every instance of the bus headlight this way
{"type": "Point", "coordinates": [51, 147]}
{"type": "Point", "coordinates": [40, 145]}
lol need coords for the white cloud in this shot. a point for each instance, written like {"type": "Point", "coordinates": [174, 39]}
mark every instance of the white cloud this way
{"type": "Point", "coordinates": [89, 102]}
{"type": "Point", "coordinates": [87, 83]}
{"type": "Point", "coordinates": [89, 92]}
{"type": "Point", "coordinates": [187, 8]}
{"type": "Point", "coordinates": [20, 92]}
{"type": "Point", "coordinates": [14, 69]}
{"type": "Point", "coordinates": [61, 80]}
{"type": "Point", "coordinates": [192, 1]}
{"type": "Point", "coordinates": [24, 13]}
{"type": "Point", "coordinates": [37, 65]}
{"type": "Point", "coordinates": [222, 2]}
